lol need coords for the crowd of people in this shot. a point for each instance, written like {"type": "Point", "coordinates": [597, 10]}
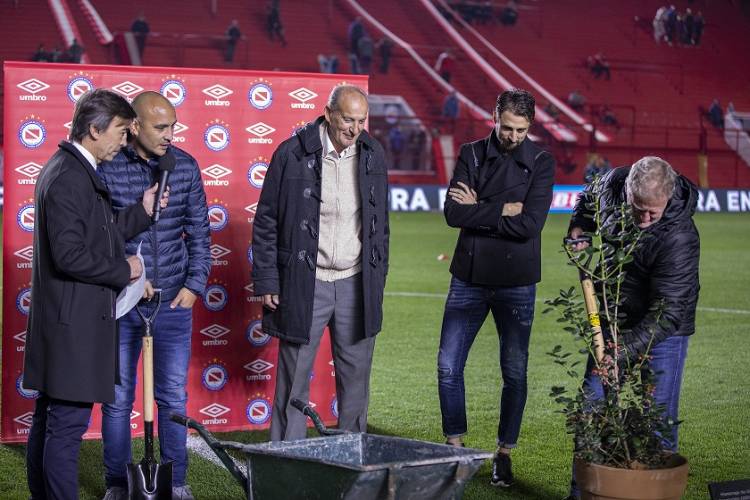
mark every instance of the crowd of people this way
{"type": "Point", "coordinates": [362, 49]}
{"type": "Point", "coordinates": [483, 12]}
{"type": "Point", "coordinates": [72, 54]}
{"type": "Point", "coordinates": [678, 28]}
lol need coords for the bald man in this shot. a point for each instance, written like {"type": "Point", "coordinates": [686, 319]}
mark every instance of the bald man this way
{"type": "Point", "coordinates": [320, 257]}
{"type": "Point", "coordinates": [177, 260]}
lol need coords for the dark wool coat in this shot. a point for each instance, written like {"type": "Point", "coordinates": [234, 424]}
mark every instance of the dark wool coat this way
{"type": "Point", "coordinates": [78, 268]}
{"type": "Point", "coordinates": [285, 233]}
{"type": "Point", "coordinates": [492, 249]}
{"type": "Point", "coordinates": [664, 266]}
{"type": "Point", "coordinates": [175, 249]}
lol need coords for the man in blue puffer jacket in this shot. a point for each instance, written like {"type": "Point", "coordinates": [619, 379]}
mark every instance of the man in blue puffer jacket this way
{"type": "Point", "coordinates": [178, 260]}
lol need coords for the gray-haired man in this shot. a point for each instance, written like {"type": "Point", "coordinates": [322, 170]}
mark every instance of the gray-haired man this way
{"type": "Point", "coordinates": [320, 257]}
{"type": "Point", "coordinates": [664, 271]}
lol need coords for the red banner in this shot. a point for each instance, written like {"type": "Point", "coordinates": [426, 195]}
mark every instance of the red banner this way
{"type": "Point", "coordinates": [231, 122]}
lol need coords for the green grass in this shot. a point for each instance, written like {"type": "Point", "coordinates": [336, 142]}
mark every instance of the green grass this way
{"type": "Point", "coordinates": [404, 402]}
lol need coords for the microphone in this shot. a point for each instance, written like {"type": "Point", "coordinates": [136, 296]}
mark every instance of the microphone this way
{"type": "Point", "coordinates": [166, 165]}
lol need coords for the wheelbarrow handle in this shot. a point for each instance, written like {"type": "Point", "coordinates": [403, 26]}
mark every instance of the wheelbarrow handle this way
{"type": "Point", "coordinates": [313, 415]}
{"type": "Point", "coordinates": [216, 446]}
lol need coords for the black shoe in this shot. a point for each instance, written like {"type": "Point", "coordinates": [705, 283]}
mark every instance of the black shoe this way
{"type": "Point", "coordinates": [501, 473]}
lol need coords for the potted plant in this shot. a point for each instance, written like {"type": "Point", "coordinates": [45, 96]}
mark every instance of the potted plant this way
{"type": "Point", "coordinates": [618, 451]}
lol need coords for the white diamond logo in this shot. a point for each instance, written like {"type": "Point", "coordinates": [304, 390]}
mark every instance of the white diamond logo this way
{"type": "Point", "coordinates": [127, 89]}
{"type": "Point", "coordinates": [24, 419]}
{"type": "Point", "coordinates": [251, 208]}
{"type": "Point", "coordinates": [217, 91]}
{"type": "Point", "coordinates": [68, 125]}
{"type": "Point", "coordinates": [218, 251]}
{"type": "Point", "coordinates": [33, 86]}
{"type": "Point", "coordinates": [215, 331]}
{"type": "Point", "coordinates": [179, 128]}
{"type": "Point", "coordinates": [134, 414]}
{"type": "Point", "coordinates": [258, 366]}
{"type": "Point", "coordinates": [216, 171]}
{"type": "Point", "coordinates": [214, 410]}
{"type": "Point", "coordinates": [302, 94]}
{"type": "Point", "coordinates": [26, 253]}
{"type": "Point", "coordinates": [250, 287]}
{"type": "Point", "coordinates": [30, 169]}
{"type": "Point", "coordinates": [21, 337]}
{"type": "Point", "coordinates": [260, 129]}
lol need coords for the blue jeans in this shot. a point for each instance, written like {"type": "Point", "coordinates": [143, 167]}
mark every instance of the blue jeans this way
{"type": "Point", "coordinates": [465, 310]}
{"type": "Point", "coordinates": [667, 363]}
{"type": "Point", "coordinates": [171, 329]}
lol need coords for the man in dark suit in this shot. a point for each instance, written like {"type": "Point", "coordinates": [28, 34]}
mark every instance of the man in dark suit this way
{"type": "Point", "coordinates": [499, 196]}
{"type": "Point", "coordinates": [78, 268]}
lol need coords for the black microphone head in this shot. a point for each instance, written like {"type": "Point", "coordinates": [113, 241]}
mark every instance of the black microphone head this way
{"type": "Point", "coordinates": [167, 161]}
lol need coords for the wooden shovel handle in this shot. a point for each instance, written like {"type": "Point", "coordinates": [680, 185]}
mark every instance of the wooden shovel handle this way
{"type": "Point", "coordinates": [592, 309]}
{"type": "Point", "coordinates": [148, 378]}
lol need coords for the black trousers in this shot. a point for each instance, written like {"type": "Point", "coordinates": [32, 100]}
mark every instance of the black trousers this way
{"type": "Point", "coordinates": [54, 443]}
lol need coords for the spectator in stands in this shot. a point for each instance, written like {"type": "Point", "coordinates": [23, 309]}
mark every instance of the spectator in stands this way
{"type": "Point", "coordinates": [323, 63]}
{"type": "Point", "coordinates": [333, 63]}
{"type": "Point", "coordinates": [552, 111]}
{"type": "Point", "coordinates": [658, 23]}
{"type": "Point", "coordinates": [365, 50]}
{"type": "Point", "coordinates": [598, 66]}
{"type": "Point", "coordinates": [274, 27]}
{"type": "Point", "coordinates": [597, 167]}
{"type": "Point", "coordinates": [484, 12]}
{"type": "Point", "coordinates": [233, 34]}
{"type": "Point", "coordinates": [355, 32]}
{"type": "Point", "coordinates": [451, 109]}
{"type": "Point", "coordinates": [576, 100]}
{"type": "Point", "coordinates": [689, 20]}
{"type": "Point", "coordinates": [56, 55]}
{"type": "Point", "coordinates": [509, 15]}
{"type": "Point", "coordinates": [699, 23]}
{"type": "Point", "coordinates": [670, 24]}
{"type": "Point", "coordinates": [396, 142]}
{"type": "Point", "coordinates": [75, 52]}
{"type": "Point", "coordinates": [353, 63]}
{"type": "Point", "coordinates": [40, 55]}
{"type": "Point", "coordinates": [716, 115]}
{"type": "Point", "coordinates": [444, 64]}
{"type": "Point", "coordinates": [328, 64]}
{"type": "Point", "coordinates": [416, 146]}
{"type": "Point", "coordinates": [140, 30]}
{"type": "Point", "coordinates": [384, 46]}
{"type": "Point", "coordinates": [608, 117]}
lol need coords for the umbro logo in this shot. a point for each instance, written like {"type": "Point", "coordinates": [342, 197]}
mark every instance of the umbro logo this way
{"type": "Point", "coordinates": [128, 89]}
{"type": "Point", "coordinates": [215, 331]}
{"type": "Point", "coordinates": [32, 87]}
{"type": "Point", "coordinates": [217, 93]}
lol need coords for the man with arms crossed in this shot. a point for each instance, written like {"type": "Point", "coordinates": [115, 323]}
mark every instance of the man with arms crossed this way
{"type": "Point", "coordinates": [499, 197]}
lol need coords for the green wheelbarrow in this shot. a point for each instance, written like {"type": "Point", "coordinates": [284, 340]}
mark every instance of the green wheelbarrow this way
{"type": "Point", "coordinates": [346, 465]}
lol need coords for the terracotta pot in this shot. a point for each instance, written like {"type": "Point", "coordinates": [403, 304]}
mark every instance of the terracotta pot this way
{"type": "Point", "coordinates": [599, 482]}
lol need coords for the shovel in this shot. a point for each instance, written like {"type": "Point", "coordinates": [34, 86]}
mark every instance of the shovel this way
{"type": "Point", "coordinates": [589, 300]}
{"type": "Point", "coordinates": [148, 480]}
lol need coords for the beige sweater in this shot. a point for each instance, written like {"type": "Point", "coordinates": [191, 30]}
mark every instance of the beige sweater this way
{"type": "Point", "coordinates": [340, 233]}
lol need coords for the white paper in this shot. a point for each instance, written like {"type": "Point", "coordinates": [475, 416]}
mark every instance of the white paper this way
{"type": "Point", "coordinates": [132, 293]}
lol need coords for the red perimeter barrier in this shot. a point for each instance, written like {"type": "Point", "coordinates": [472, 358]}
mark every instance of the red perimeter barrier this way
{"type": "Point", "coordinates": [231, 122]}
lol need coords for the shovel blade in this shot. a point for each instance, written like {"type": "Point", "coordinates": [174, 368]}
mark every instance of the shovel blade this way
{"type": "Point", "coordinates": [150, 481]}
